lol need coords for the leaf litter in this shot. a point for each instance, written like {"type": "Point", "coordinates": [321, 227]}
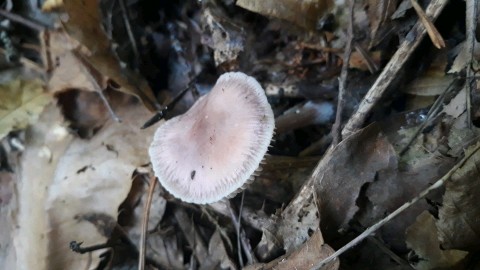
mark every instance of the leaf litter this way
{"type": "Point", "coordinates": [72, 176]}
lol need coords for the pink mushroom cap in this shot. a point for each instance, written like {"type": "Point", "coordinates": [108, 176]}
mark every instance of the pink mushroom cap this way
{"type": "Point", "coordinates": [211, 152]}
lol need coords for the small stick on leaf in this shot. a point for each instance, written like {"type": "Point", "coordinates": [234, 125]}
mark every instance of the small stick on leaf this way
{"type": "Point", "coordinates": [432, 31]}
{"type": "Point", "coordinates": [397, 212]}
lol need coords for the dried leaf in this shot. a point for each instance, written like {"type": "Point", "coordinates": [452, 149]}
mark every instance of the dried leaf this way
{"type": "Point", "coordinates": [227, 40]}
{"type": "Point", "coordinates": [379, 12]}
{"type": "Point", "coordinates": [464, 56]}
{"type": "Point", "coordinates": [458, 224]}
{"type": "Point", "coordinates": [22, 102]}
{"type": "Point", "coordinates": [422, 237]}
{"type": "Point", "coordinates": [46, 142]}
{"type": "Point", "coordinates": [297, 227]}
{"type": "Point", "coordinates": [218, 256]}
{"type": "Point", "coordinates": [91, 180]}
{"type": "Point", "coordinates": [67, 70]}
{"type": "Point", "coordinates": [76, 197]}
{"type": "Point", "coordinates": [304, 13]}
{"type": "Point", "coordinates": [305, 257]}
{"type": "Point", "coordinates": [7, 212]}
{"type": "Point", "coordinates": [338, 185]}
{"type": "Point", "coordinates": [84, 24]}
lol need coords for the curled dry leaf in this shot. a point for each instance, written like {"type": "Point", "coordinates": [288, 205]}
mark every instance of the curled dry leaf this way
{"type": "Point", "coordinates": [84, 24]}
{"type": "Point", "coordinates": [226, 40]}
{"type": "Point", "coordinates": [422, 237]}
{"type": "Point", "coordinates": [21, 103]}
{"type": "Point", "coordinates": [458, 224]}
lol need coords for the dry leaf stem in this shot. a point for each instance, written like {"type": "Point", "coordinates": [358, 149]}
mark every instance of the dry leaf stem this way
{"type": "Point", "coordinates": [146, 214]}
{"type": "Point", "coordinates": [395, 213]}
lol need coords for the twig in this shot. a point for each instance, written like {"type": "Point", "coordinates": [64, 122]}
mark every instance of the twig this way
{"type": "Point", "coordinates": [89, 70]}
{"type": "Point", "coordinates": [236, 223]}
{"type": "Point", "coordinates": [163, 112]}
{"type": "Point", "coordinates": [342, 81]}
{"type": "Point", "coordinates": [432, 113]}
{"type": "Point", "coordinates": [432, 31]}
{"type": "Point", "coordinates": [395, 213]}
{"type": "Point", "coordinates": [389, 73]}
{"type": "Point", "coordinates": [77, 247]}
{"type": "Point", "coordinates": [126, 21]}
{"type": "Point", "coordinates": [241, 236]}
{"type": "Point", "coordinates": [389, 252]}
{"type": "Point", "coordinates": [21, 20]}
{"type": "Point", "coordinates": [146, 214]}
{"type": "Point", "coordinates": [471, 23]}
{"type": "Point", "coordinates": [219, 228]}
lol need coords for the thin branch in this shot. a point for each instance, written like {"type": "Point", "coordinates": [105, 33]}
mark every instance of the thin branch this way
{"type": "Point", "coordinates": [131, 36]}
{"type": "Point", "coordinates": [471, 24]}
{"type": "Point", "coordinates": [337, 136]}
{"type": "Point", "coordinates": [21, 20]}
{"type": "Point", "coordinates": [395, 213]}
{"type": "Point", "coordinates": [389, 73]}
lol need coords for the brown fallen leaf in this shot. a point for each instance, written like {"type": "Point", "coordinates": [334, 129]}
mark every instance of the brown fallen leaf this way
{"type": "Point", "coordinates": [379, 13]}
{"type": "Point", "coordinates": [84, 25]}
{"type": "Point", "coordinates": [303, 258]}
{"type": "Point", "coordinates": [92, 179]}
{"type": "Point", "coordinates": [304, 13]}
{"type": "Point", "coordinates": [66, 69]}
{"type": "Point", "coordinates": [21, 103]}
{"type": "Point", "coordinates": [46, 142]}
{"type": "Point", "coordinates": [337, 187]}
{"type": "Point", "coordinates": [422, 237]}
{"type": "Point", "coordinates": [458, 224]}
{"type": "Point", "coordinates": [70, 189]}
{"type": "Point", "coordinates": [338, 184]}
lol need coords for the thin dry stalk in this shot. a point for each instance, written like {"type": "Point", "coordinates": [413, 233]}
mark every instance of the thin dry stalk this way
{"type": "Point", "coordinates": [146, 214]}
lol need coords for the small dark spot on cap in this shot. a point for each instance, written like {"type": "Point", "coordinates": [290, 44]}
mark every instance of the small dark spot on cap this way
{"type": "Point", "coordinates": [203, 166]}
{"type": "Point", "coordinates": [211, 168]}
{"type": "Point", "coordinates": [192, 174]}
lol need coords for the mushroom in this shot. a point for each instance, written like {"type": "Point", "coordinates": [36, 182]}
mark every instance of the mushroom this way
{"type": "Point", "coordinates": [211, 152]}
